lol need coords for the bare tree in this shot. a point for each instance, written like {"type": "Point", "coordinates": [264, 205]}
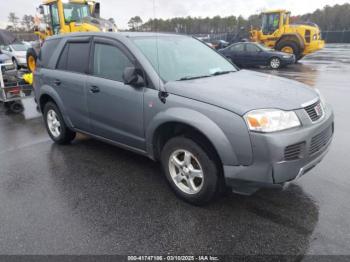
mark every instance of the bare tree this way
{"type": "Point", "coordinates": [27, 22]}
{"type": "Point", "coordinates": [13, 19]}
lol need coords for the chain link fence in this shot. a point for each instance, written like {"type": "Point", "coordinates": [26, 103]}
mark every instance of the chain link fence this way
{"type": "Point", "coordinates": [336, 36]}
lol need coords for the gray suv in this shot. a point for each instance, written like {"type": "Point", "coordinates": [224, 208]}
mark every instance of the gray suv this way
{"type": "Point", "coordinates": [174, 99]}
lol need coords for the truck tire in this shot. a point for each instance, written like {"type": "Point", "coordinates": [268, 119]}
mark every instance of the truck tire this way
{"type": "Point", "coordinates": [290, 47]}
{"type": "Point", "coordinates": [31, 59]}
{"type": "Point", "coordinates": [191, 171]}
{"type": "Point", "coordinates": [55, 125]}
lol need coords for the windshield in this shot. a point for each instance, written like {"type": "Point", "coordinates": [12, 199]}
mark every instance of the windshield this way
{"type": "Point", "coordinates": [182, 58]}
{"type": "Point", "coordinates": [270, 23]}
{"type": "Point", "coordinates": [76, 12]}
{"type": "Point", "coordinates": [19, 47]}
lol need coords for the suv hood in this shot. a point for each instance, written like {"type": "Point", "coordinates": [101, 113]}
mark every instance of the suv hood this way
{"type": "Point", "coordinates": [243, 91]}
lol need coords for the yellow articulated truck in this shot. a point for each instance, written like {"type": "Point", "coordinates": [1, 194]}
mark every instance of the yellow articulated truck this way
{"type": "Point", "coordinates": [276, 32]}
{"type": "Point", "coordinates": [66, 16]}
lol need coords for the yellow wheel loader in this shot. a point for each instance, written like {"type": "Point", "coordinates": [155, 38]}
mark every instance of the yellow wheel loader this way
{"type": "Point", "coordinates": [66, 16]}
{"type": "Point", "coordinates": [276, 32]}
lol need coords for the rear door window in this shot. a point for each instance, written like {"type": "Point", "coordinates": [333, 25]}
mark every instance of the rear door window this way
{"type": "Point", "coordinates": [237, 48]}
{"type": "Point", "coordinates": [110, 62]}
{"type": "Point", "coordinates": [74, 57]}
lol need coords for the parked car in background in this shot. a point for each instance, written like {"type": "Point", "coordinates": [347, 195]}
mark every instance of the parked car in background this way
{"type": "Point", "coordinates": [219, 44]}
{"type": "Point", "coordinates": [17, 52]}
{"type": "Point", "coordinates": [247, 54]}
{"type": "Point", "coordinates": [210, 124]}
{"type": "Point", "coordinates": [5, 59]}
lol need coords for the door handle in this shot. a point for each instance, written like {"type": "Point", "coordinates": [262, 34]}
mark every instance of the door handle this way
{"type": "Point", "coordinates": [57, 82]}
{"type": "Point", "coordinates": [94, 89]}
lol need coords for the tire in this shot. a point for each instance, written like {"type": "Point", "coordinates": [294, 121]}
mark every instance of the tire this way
{"type": "Point", "coordinates": [184, 174]}
{"type": "Point", "coordinates": [31, 59]}
{"type": "Point", "coordinates": [275, 63]}
{"type": "Point", "coordinates": [16, 107]}
{"type": "Point", "coordinates": [294, 46]}
{"type": "Point", "coordinates": [15, 63]}
{"type": "Point", "coordinates": [55, 125]}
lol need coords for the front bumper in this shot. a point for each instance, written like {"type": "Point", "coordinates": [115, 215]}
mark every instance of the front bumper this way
{"type": "Point", "coordinates": [270, 165]}
{"type": "Point", "coordinates": [288, 61]}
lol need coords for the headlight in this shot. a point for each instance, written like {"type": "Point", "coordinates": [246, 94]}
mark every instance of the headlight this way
{"type": "Point", "coordinates": [8, 62]}
{"type": "Point", "coordinates": [315, 37]}
{"type": "Point", "coordinates": [286, 56]}
{"type": "Point", "coordinates": [271, 120]}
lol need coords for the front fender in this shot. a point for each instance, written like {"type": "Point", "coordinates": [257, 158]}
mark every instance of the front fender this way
{"type": "Point", "coordinates": [198, 121]}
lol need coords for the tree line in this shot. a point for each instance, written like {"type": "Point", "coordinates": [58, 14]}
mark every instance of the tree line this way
{"type": "Point", "coordinates": [329, 18]}
{"type": "Point", "coordinates": [16, 24]}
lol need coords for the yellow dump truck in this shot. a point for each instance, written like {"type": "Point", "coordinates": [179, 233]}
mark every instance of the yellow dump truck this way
{"type": "Point", "coordinates": [277, 32]}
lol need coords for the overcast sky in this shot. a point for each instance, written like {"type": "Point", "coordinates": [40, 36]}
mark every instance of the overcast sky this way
{"type": "Point", "coordinates": [122, 10]}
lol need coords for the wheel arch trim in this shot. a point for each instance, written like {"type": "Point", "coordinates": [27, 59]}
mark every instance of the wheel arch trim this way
{"type": "Point", "coordinates": [47, 90]}
{"type": "Point", "coordinates": [197, 121]}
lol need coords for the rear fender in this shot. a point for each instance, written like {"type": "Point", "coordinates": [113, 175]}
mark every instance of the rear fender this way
{"type": "Point", "coordinates": [294, 37]}
{"type": "Point", "coordinates": [51, 92]}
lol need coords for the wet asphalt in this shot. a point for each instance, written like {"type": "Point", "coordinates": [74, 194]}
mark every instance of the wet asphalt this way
{"type": "Point", "coordinates": [93, 198]}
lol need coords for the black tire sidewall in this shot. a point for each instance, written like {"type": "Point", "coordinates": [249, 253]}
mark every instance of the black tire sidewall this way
{"type": "Point", "coordinates": [66, 134]}
{"type": "Point", "coordinates": [209, 166]}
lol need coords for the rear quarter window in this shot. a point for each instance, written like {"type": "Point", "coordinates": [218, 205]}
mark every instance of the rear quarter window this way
{"type": "Point", "coordinates": [46, 52]}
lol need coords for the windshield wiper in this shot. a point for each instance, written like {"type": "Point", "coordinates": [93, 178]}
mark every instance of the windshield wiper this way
{"type": "Point", "coordinates": [192, 77]}
{"type": "Point", "coordinates": [222, 72]}
{"type": "Point", "coordinates": [203, 76]}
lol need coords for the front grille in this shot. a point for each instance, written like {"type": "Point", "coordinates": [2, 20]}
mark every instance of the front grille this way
{"type": "Point", "coordinates": [293, 152]}
{"type": "Point", "coordinates": [320, 140]}
{"type": "Point", "coordinates": [315, 111]}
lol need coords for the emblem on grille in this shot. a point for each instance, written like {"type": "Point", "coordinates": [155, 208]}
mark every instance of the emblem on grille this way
{"type": "Point", "coordinates": [318, 110]}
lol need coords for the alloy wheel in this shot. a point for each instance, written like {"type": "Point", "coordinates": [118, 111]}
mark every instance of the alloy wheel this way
{"type": "Point", "coordinates": [53, 123]}
{"type": "Point", "coordinates": [275, 63]}
{"type": "Point", "coordinates": [186, 171]}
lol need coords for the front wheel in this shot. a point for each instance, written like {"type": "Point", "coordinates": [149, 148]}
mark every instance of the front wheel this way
{"type": "Point", "coordinates": [190, 170]}
{"type": "Point", "coordinates": [55, 125]}
{"type": "Point", "coordinates": [275, 63]}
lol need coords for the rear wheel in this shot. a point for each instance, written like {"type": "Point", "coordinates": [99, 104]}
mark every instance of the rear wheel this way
{"type": "Point", "coordinates": [31, 59]}
{"type": "Point", "coordinates": [55, 125]}
{"type": "Point", "coordinates": [290, 47]}
{"type": "Point", "coordinates": [190, 170]}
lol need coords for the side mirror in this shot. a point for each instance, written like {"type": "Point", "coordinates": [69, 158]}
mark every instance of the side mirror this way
{"type": "Point", "coordinates": [132, 76]}
{"type": "Point", "coordinates": [41, 10]}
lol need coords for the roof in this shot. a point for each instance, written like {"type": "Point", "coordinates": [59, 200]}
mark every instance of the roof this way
{"type": "Point", "coordinates": [46, 2]}
{"type": "Point", "coordinates": [116, 34]}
